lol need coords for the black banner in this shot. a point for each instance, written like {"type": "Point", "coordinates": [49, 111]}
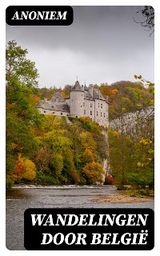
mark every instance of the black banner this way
{"type": "Point", "coordinates": [89, 229]}
{"type": "Point", "coordinates": [39, 15]}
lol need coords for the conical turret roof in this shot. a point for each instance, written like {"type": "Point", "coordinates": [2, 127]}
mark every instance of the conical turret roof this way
{"type": "Point", "coordinates": [77, 87]}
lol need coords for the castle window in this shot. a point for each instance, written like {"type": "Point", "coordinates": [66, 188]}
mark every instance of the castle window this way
{"type": "Point", "coordinates": [97, 113]}
{"type": "Point", "coordinates": [98, 105]}
{"type": "Point", "coordinates": [44, 111]}
{"type": "Point", "coordinates": [84, 112]}
{"type": "Point", "coordinates": [101, 114]}
{"type": "Point", "coordinates": [91, 105]}
{"type": "Point", "coordinates": [61, 114]}
{"type": "Point", "coordinates": [83, 104]}
{"type": "Point", "coordinates": [90, 113]}
{"type": "Point", "coordinates": [104, 114]}
{"type": "Point", "coordinates": [101, 105]}
{"type": "Point", "coordinates": [53, 113]}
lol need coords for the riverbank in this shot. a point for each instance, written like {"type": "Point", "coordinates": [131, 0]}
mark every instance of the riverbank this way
{"type": "Point", "coordinates": [123, 198]}
{"type": "Point", "coordinates": [114, 196]}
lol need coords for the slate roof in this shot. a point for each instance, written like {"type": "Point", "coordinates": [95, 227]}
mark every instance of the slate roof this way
{"type": "Point", "coordinates": [95, 94]}
{"type": "Point", "coordinates": [77, 87]}
{"type": "Point", "coordinates": [57, 97]}
{"type": "Point", "coordinates": [61, 107]}
{"type": "Point", "coordinates": [54, 105]}
{"type": "Point", "coordinates": [58, 103]}
{"type": "Point", "coordinates": [87, 95]}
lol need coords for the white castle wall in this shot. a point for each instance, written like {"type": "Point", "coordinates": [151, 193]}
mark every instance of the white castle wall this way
{"type": "Point", "coordinates": [51, 112]}
{"type": "Point", "coordinates": [101, 112]}
{"type": "Point", "coordinates": [80, 103]}
{"type": "Point", "coordinates": [89, 109]}
{"type": "Point", "coordinates": [76, 103]}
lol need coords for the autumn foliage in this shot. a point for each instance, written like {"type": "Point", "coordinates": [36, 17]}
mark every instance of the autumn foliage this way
{"type": "Point", "coordinates": [94, 173]}
{"type": "Point", "coordinates": [109, 180]}
{"type": "Point", "coordinates": [47, 149]}
{"type": "Point", "coordinates": [24, 169]}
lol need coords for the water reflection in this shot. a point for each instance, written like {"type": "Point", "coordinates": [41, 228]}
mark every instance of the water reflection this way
{"type": "Point", "coordinates": [17, 194]}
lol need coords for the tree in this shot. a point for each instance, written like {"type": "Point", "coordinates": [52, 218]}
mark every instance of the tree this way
{"type": "Point", "coordinates": [69, 173]}
{"type": "Point", "coordinates": [21, 114]}
{"type": "Point", "coordinates": [132, 96]}
{"type": "Point", "coordinates": [148, 14]}
{"type": "Point", "coordinates": [29, 170]}
{"type": "Point", "coordinates": [24, 169]}
{"type": "Point", "coordinates": [106, 90]}
{"type": "Point", "coordinates": [94, 172]}
{"type": "Point", "coordinates": [67, 151]}
{"type": "Point", "coordinates": [131, 139]}
{"type": "Point", "coordinates": [53, 144]}
{"type": "Point", "coordinates": [19, 67]}
{"type": "Point", "coordinates": [121, 156]}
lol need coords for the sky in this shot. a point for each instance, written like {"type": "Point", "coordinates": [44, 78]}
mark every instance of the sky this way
{"type": "Point", "coordinates": [103, 45]}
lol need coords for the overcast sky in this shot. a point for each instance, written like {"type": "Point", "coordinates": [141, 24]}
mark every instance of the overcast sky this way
{"type": "Point", "coordinates": [103, 45]}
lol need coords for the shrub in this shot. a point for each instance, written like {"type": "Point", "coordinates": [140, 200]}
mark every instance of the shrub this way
{"type": "Point", "coordinates": [109, 180]}
{"type": "Point", "coordinates": [94, 172]}
{"type": "Point", "coordinates": [29, 169]}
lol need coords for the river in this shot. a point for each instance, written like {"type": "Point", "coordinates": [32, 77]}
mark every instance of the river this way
{"type": "Point", "coordinates": [23, 197]}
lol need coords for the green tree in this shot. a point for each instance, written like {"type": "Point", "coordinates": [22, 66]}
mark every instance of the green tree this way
{"type": "Point", "coordinates": [54, 144]}
{"type": "Point", "coordinates": [70, 174]}
{"type": "Point", "coordinates": [121, 156]}
{"type": "Point", "coordinates": [132, 140]}
{"type": "Point", "coordinates": [19, 67]}
{"type": "Point", "coordinates": [68, 150]}
{"type": "Point", "coordinates": [144, 160]}
{"type": "Point", "coordinates": [130, 97]}
{"type": "Point", "coordinates": [21, 114]}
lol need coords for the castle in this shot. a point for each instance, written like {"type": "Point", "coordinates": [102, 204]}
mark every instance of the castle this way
{"type": "Point", "coordinates": [82, 102]}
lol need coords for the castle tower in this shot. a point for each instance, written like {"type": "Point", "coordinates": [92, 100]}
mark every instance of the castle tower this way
{"type": "Point", "coordinates": [77, 100]}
